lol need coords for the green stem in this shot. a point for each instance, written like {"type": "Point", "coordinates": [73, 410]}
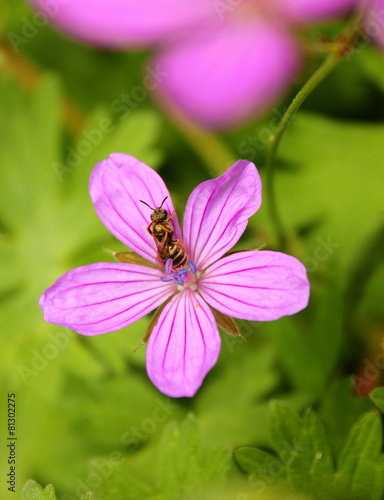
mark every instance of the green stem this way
{"type": "Point", "coordinates": [213, 151]}
{"type": "Point", "coordinates": [319, 75]}
{"type": "Point", "coordinates": [345, 45]}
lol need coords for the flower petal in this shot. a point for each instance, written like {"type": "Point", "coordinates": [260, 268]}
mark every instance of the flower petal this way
{"type": "Point", "coordinates": [303, 11]}
{"type": "Point", "coordinates": [104, 297]}
{"type": "Point", "coordinates": [217, 212]}
{"type": "Point", "coordinates": [116, 187]}
{"type": "Point", "coordinates": [124, 23]}
{"type": "Point", "coordinates": [183, 347]}
{"type": "Point", "coordinates": [259, 285]}
{"type": "Point", "coordinates": [227, 74]}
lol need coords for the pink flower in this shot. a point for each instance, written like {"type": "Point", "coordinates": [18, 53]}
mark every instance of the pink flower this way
{"type": "Point", "coordinates": [185, 343]}
{"type": "Point", "coordinates": [220, 61]}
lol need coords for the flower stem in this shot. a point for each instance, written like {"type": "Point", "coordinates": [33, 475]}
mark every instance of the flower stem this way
{"type": "Point", "coordinates": [210, 148]}
{"type": "Point", "coordinates": [344, 46]}
{"type": "Point", "coordinates": [319, 75]}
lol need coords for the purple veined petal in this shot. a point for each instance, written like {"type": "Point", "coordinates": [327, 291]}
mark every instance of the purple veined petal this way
{"type": "Point", "coordinates": [374, 20]}
{"type": "Point", "coordinates": [124, 23]}
{"type": "Point", "coordinates": [217, 212]}
{"type": "Point", "coordinates": [183, 346]}
{"type": "Point", "coordinates": [116, 186]}
{"type": "Point", "coordinates": [304, 11]}
{"type": "Point", "coordinates": [104, 297]}
{"type": "Point", "coordinates": [258, 285]}
{"type": "Point", "coordinates": [228, 73]}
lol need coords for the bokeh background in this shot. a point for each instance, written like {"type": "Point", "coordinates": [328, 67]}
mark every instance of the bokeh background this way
{"type": "Point", "coordinates": [88, 418]}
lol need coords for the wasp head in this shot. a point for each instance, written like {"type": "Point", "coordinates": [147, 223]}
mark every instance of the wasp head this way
{"type": "Point", "coordinates": [159, 213]}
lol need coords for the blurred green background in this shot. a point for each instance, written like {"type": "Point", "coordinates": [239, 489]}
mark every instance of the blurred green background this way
{"type": "Point", "coordinates": [88, 418]}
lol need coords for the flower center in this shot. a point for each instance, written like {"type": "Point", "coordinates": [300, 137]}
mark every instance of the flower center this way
{"type": "Point", "coordinates": [183, 277]}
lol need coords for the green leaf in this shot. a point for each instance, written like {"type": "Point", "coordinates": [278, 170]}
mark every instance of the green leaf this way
{"type": "Point", "coordinates": [128, 481]}
{"type": "Point", "coordinates": [366, 270]}
{"type": "Point", "coordinates": [377, 396]}
{"type": "Point", "coordinates": [284, 430]}
{"type": "Point", "coordinates": [253, 460]}
{"type": "Point", "coordinates": [305, 462]}
{"type": "Point", "coordinates": [33, 491]}
{"type": "Point", "coordinates": [88, 496]}
{"type": "Point", "coordinates": [361, 465]}
{"type": "Point", "coordinates": [48, 226]}
{"type": "Point", "coordinates": [242, 379]}
{"type": "Point", "coordinates": [303, 449]}
{"type": "Point", "coordinates": [340, 408]}
{"type": "Point", "coordinates": [264, 469]}
{"type": "Point", "coordinates": [309, 350]}
{"type": "Point", "coordinates": [326, 165]}
{"type": "Point", "coordinates": [371, 61]}
{"type": "Point", "coordinates": [183, 460]}
{"type": "Point", "coordinates": [311, 468]}
{"type": "Point", "coordinates": [183, 466]}
{"type": "Point", "coordinates": [167, 475]}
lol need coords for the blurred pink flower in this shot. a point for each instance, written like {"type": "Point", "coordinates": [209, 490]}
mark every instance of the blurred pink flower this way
{"type": "Point", "coordinates": [185, 342]}
{"type": "Point", "coordinates": [374, 20]}
{"type": "Point", "coordinates": [221, 61]}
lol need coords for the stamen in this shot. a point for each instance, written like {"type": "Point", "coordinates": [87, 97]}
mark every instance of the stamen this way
{"type": "Point", "coordinates": [165, 278]}
{"type": "Point", "coordinates": [179, 281]}
{"type": "Point", "coordinates": [180, 276]}
{"type": "Point", "coordinates": [168, 267]}
{"type": "Point", "coordinates": [192, 267]}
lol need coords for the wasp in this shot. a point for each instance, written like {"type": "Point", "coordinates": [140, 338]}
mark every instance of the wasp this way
{"type": "Point", "coordinates": [161, 229]}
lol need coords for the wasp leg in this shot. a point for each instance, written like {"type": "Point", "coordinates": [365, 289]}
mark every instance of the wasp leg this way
{"type": "Point", "coordinates": [166, 231]}
{"type": "Point", "coordinates": [171, 216]}
{"type": "Point", "coordinates": [150, 227]}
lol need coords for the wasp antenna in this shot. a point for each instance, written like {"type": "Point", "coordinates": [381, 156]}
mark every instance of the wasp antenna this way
{"type": "Point", "coordinates": [163, 201]}
{"type": "Point", "coordinates": [147, 204]}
